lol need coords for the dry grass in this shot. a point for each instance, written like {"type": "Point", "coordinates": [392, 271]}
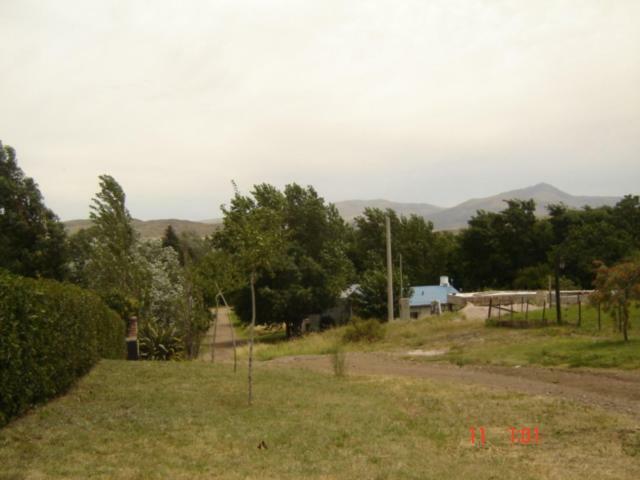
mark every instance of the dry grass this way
{"type": "Point", "coordinates": [470, 341]}
{"type": "Point", "coordinates": [144, 420]}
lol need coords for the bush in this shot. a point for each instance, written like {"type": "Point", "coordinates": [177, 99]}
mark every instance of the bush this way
{"type": "Point", "coordinates": [364, 330]}
{"type": "Point", "coordinates": [50, 334]}
{"type": "Point", "coordinates": [160, 342]}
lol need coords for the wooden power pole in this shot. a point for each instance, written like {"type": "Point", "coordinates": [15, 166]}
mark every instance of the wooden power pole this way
{"type": "Point", "coordinates": [389, 273]}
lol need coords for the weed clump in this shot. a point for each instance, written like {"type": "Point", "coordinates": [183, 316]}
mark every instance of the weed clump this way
{"type": "Point", "coordinates": [359, 330]}
{"type": "Point", "coordinates": [338, 360]}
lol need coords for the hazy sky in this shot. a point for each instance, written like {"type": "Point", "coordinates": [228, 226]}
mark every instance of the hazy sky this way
{"type": "Point", "coordinates": [427, 101]}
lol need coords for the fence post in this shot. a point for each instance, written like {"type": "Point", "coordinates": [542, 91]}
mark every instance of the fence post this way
{"type": "Point", "coordinates": [490, 305]}
{"type": "Point", "coordinates": [544, 311]}
{"type": "Point", "coordinates": [579, 311]}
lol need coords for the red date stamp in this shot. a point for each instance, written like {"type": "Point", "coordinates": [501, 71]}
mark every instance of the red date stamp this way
{"type": "Point", "coordinates": [522, 436]}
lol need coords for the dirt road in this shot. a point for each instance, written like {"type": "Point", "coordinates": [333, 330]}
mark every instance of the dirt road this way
{"type": "Point", "coordinates": [223, 341]}
{"type": "Point", "coordinates": [613, 390]}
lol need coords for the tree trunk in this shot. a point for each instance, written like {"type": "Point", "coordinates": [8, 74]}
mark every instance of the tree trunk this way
{"type": "Point", "coordinates": [251, 329]}
{"type": "Point", "coordinates": [625, 322]}
{"type": "Point", "coordinates": [215, 328]}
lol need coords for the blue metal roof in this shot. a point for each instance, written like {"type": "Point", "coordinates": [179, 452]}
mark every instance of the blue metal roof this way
{"type": "Point", "coordinates": [427, 294]}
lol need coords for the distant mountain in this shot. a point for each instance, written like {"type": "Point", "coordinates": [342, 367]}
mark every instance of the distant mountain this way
{"type": "Point", "coordinates": [154, 228]}
{"type": "Point", "coordinates": [543, 194]}
{"type": "Point", "coordinates": [349, 209]}
{"type": "Point", "coordinates": [452, 218]}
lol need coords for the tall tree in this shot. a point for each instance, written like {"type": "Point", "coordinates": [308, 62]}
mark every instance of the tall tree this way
{"type": "Point", "coordinates": [496, 247]}
{"type": "Point", "coordinates": [314, 269]}
{"type": "Point", "coordinates": [170, 239]}
{"type": "Point", "coordinates": [112, 270]}
{"type": "Point", "coordinates": [32, 239]}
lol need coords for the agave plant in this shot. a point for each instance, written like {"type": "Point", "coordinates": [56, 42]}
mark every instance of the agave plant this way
{"type": "Point", "coordinates": [160, 342]}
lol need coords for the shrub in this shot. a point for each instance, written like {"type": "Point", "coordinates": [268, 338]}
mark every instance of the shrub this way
{"type": "Point", "coordinates": [364, 330]}
{"type": "Point", "coordinates": [160, 342]}
{"type": "Point", "coordinates": [50, 334]}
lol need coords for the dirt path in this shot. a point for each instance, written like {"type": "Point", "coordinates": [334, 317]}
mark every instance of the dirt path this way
{"type": "Point", "coordinates": [618, 391]}
{"type": "Point", "coordinates": [223, 341]}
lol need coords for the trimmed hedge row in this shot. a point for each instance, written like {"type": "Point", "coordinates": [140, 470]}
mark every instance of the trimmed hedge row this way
{"type": "Point", "coordinates": [50, 334]}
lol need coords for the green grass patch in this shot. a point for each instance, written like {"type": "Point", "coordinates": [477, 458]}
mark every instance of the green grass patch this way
{"type": "Point", "coordinates": [190, 420]}
{"type": "Point", "coordinates": [470, 341]}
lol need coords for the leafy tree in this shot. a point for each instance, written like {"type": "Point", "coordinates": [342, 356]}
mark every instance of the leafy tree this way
{"type": "Point", "coordinates": [617, 288]}
{"type": "Point", "coordinates": [425, 254]}
{"type": "Point", "coordinates": [497, 246]}
{"type": "Point", "coordinates": [370, 299]}
{"type": "Point", "coordinates": [170, 239]}
{"type": "Point", "coordinates": [112, 271]}
{"type": "Point", "coordinates": [255, 238]}
{"type": "Point", "coordinates": [605, 234]}
{"type": "Point", "coordinates": [313, 268]}
{"type": "Point", "coordinates": [32, 239]}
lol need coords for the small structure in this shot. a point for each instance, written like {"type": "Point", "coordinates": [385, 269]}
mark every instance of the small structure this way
{"type": "Point", "coordinates": [334, 316]}
{"type": "Point", "coordinates": [432, 299]}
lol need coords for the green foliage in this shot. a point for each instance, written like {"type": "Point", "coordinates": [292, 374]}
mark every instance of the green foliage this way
{"type": "Point", "coordinates": [617, 288]}
{"type": "Point", "coordinates": [370, 299]}
{"type": "Point", "coordinates": [32, 239]}
{"type": "Point", "coordinates": [160, 342]}
{"type": "Point", "coordinates": [170, 239]}
{"type": "Point", "coordinates": [513, 248]}
{"type": "Point", "coordinates": [169, 298]}
{"type": "Point", "coordinates": [359, 330]}
{"type": "Point", "coordinates": [111, 270]}
{"type": "Point", "coordinates": [50, 334]}
{"type": "Point", "coordinates": [295, 243]}
{"type": "Point", "coordinates": [425, 254]}
{"type": "Point", "coordinates": [498, 246]}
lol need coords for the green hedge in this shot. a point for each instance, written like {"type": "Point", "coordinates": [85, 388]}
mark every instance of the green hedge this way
{"type": "Point", "coordinates": [50, 334]}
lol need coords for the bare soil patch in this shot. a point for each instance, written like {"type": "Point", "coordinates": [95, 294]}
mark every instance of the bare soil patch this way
{"type": "Point", "coordinates": [613, 390]}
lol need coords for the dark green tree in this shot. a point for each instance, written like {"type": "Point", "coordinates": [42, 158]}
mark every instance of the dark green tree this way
{"type": "Point", "coordinates": [112, 270]}
{"type": "Point", "coordinates": [425, 254]}
{"type": "Point", "coordinates": [32, 239]}
{"type": "Point", "coordinates": [314, 267]}
{"type": "Point", "coordinates": [170, 239]}
{"type": "Point", "coordinates": [497, 247]}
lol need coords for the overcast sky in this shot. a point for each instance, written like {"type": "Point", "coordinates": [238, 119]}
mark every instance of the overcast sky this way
{"type": "Point", "coordinates": [427, 101]}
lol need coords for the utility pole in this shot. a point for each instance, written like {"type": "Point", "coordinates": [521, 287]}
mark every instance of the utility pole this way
{"type": "Point", "coordinates": [389, 273]}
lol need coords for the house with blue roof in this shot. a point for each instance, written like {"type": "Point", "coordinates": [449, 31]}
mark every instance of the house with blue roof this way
{"type": "Point", "coordinates": [430, 299]}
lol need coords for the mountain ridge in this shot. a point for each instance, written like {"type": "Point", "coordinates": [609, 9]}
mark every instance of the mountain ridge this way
{"type": "Point", "coordinates": [443, 218]}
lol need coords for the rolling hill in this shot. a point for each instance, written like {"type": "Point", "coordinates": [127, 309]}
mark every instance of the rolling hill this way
{"type": "Point", "coordinates": [350, 209]}
{"type": "Point", "coordinates": [154, 228]}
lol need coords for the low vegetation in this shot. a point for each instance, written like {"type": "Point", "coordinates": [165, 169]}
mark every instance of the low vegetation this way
{"type": "Point", "coordinates": [50, 334]}
{"type": "Point", "coordinates": [189, 420]}
{"type": "Point", "coordinates": [470, 341]}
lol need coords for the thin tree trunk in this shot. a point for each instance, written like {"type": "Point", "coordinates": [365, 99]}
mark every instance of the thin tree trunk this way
{"type": "Point", "coordinates": [251, 329]}
{"type": "Point", "coordinates": [625, 324]}
{"type": "Point", "coordinates": [215, 328]}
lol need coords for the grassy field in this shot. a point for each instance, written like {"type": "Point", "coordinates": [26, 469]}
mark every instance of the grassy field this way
{"type": "Point", "coordinates": [470, 341]}
{"type": "Point", "coordinates": [186, 420]}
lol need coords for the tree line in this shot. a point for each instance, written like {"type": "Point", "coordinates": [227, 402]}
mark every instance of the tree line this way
{"type": "Point", "coordinates": [287, 253]}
